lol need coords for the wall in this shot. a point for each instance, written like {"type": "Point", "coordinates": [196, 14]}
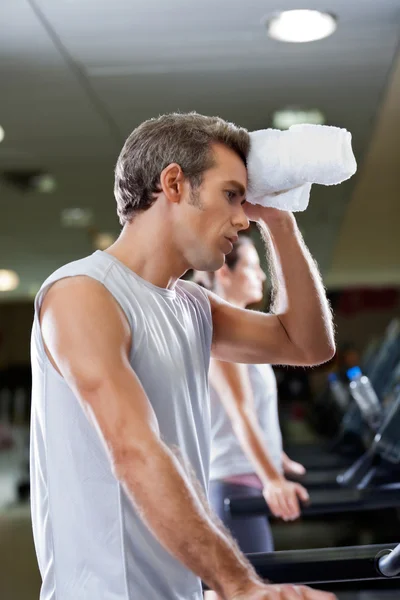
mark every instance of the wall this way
{"type": "Point", "coordinates": [364, 313]}
{"type": "Point", "coordinates": [15, 330]}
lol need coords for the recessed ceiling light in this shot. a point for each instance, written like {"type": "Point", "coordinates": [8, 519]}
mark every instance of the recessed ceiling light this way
{"type": "Point", "coordinates": [9, 280]}
{"type": "Point", "coordinates": [1, 134]}
{"type": "Point", "coordinates": [299, 26]}
{"type": "Point", "coordinates": [283, 119]}
{"type": "Point", "coordinates": [76, 217]}
{"type": "Point", "coordinates": [103, 240]}
{"type": "Point", "coordinates": [31, 180]}
{"type": "Point", "coordinates": [44, 183]}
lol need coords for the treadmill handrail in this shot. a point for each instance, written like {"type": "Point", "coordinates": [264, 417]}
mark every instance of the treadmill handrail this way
{"type": "Point", "coordinates": [324, 565]}
{"type": "Point", "coordinates": [324, 502]}
{"type": "Point", "coordinates": [389, 565]}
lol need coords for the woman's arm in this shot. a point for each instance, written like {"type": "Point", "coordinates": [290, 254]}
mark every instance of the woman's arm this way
{"type": "Point", "coordinates": [232, 383]}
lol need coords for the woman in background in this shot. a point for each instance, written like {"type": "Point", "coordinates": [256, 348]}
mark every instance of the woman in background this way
{"type": "Point", "coordinates": [246, 448]}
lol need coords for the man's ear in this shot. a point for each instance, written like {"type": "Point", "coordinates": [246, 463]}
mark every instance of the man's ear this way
{"type": "Point", "coordinates": [172, 182]}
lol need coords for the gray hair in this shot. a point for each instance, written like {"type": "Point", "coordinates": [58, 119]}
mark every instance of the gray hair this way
{"type": "Point", "coordinates": [184, 139]}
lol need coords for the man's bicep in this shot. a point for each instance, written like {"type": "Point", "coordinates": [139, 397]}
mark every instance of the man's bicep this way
{"type": "Point", "coordinates": [248, 336]}
{"type": "Point", "coordinates": [88, 338]}
{"type": "Point", "coordinates": [83, 329]}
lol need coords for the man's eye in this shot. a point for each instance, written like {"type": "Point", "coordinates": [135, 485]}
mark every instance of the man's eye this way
{"type": "Point", "coordinates": [230, 195]}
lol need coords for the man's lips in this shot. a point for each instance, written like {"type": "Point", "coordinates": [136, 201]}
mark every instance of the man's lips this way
{"type": "Point", "coordinates": [233, 239]}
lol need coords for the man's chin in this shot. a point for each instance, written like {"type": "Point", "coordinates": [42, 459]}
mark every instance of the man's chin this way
{"type": "Point", "coordinates": [211, 262]}
{"type": "Point", "coordinates": [218, 263]}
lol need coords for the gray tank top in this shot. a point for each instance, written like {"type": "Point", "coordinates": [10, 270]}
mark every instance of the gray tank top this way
{"type": "Point", "coordinates": [89, 539]}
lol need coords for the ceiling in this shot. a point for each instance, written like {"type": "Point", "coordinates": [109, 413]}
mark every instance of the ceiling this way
{"type": "Point", "coordinates": [78, 75]}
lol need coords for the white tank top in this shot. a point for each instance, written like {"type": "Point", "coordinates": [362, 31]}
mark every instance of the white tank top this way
{"type": "Point", "coordinates": [90, 542]}
{"type": "Point", "coordinates": [227, 456]}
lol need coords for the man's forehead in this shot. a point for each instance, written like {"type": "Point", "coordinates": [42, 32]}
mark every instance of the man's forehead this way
{"type": "Point", "coordinates": [234, 174]}
{"type": "Point", "coordinates": [228, 160]}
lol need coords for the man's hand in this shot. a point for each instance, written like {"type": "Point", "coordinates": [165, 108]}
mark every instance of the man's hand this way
{"type": "Point", "coordinates": [291, 467]}
{"type": "Point", "coordinates": [283, 496]}
{"type": "Point", "coordinates": [256, 212]}
{"type": "Point", "coordinates": [282, 592]}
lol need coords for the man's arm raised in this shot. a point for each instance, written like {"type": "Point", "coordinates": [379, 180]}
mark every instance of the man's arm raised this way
{"type": "Point", "coordinates": [299, 329]}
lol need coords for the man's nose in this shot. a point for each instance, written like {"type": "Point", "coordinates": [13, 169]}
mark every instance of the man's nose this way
{"type": "Point", "coordinates": [240, 219]}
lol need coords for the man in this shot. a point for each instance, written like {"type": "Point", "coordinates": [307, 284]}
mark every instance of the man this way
{"type": "Point", "coordinates": [120, 354]}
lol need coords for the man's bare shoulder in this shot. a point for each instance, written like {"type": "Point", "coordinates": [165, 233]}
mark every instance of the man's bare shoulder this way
{"type": "Point", "coordinates": [81, 297]}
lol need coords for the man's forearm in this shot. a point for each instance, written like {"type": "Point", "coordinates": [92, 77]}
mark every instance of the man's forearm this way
{"type": "Point", "coordinates": [167, 502]}
{"type": "Point", "coordinates": [299, 298]}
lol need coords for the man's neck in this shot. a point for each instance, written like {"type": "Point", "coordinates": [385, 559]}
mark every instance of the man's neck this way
{"type": "Point", "coordinates": [144, 246]}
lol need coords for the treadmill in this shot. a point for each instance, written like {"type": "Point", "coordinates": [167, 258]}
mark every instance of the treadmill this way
{"type": "Point", "coordinates": [367, 568]}
{"type": "Point", "coordinates": [371, 483]}
{"type": "Point", "coordinates": [376, 462]}
{"type": "Point", "coordinates": [354, 435]}
{"type": "Point", "coordinates": [323, 502]}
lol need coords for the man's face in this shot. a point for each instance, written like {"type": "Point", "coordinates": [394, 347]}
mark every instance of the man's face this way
{"type": "Point", "coordinates": [213, 213]}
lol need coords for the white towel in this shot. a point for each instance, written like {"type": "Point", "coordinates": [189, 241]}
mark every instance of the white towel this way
{"type": "Point", "coordinates": [282, 165]}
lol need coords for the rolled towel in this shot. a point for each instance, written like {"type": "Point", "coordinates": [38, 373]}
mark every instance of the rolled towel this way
{"type": "Point", "coordinates": [282, 165]}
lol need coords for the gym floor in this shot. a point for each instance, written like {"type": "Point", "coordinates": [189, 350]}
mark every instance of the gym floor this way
{"type": "Point", "coordinates": [19, 577]}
